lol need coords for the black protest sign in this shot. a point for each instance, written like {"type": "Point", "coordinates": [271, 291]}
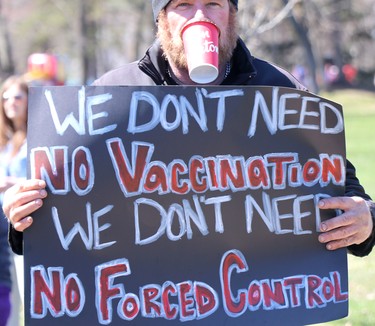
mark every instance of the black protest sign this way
{"type": "Point", "coordinates": [183, 204]}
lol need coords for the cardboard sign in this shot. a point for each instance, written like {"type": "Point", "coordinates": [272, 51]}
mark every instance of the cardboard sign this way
{"type": "Point", "coordinates": [183, 204]}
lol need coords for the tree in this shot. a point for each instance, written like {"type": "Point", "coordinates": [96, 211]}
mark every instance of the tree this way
{"type": "Point", "coordinates": [273, 16]}
{"type": "Point", "coordinates": [87, 39]}
{"type": "Point", "coordinates": [296, 18]}
{"type": "Point", "coordinates": [6, 56]}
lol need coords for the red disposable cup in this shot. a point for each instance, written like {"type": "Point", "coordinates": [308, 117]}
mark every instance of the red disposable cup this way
{"type": "Point", "coordinates": [201, 43]}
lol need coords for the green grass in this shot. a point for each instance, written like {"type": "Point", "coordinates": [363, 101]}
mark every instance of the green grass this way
{"type": "Point", "coordinates": [359, 112]}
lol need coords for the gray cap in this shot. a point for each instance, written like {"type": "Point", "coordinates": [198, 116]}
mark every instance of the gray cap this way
{"type": "Point", "coordinates": [158, 5]}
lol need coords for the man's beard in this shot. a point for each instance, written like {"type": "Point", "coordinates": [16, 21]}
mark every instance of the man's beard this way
{"type": "Point", "coordinates": [173, 48]}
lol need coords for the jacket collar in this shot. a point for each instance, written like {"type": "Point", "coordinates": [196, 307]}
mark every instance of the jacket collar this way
{"type": "Point", "coordinates": [242, 66]}
{"type": "Point", "coordinates": [154, 64]}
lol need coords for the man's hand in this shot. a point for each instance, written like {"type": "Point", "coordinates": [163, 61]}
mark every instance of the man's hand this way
{"type": "Point", "coordinates": [353, 226]}
{"type": "Point", "coordinates": [21, 200]}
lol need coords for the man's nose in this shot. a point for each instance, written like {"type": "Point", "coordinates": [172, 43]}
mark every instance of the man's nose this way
{"type": "Point", "coordinates": [200, 14]}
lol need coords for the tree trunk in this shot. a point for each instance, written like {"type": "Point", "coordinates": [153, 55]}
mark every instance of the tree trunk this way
{"type": "Point", "coordinates": [302, 33]}
{"type": "Point", "coordinates": [143, 32]}
{"type": "Point", "coordinates": [87, 38]}
{"type": "Point", "coordinates": [336, 38]}
{"type": "Point", "coordinates": [7, 66]}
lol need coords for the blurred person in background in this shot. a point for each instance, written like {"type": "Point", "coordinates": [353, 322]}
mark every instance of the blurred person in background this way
{"type": "Point", "coordinates": [13, 154]}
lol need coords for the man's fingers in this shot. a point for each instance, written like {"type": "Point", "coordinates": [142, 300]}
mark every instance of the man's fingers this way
{"type": "Point", "coordinates": [17, 214]}
{"type": "Point", "coordinates": [23, 199]}
{"type": "Point", "coordinates": [336, 222]}
{"type": "Point", "coordinates": [23, 224]}
{"type": "Point", "coordinates": [342, 203]}
{"type": "Point", "coordinates": [342, 243]}
{"type": "Point", "coordinates": [27, 197]}
{"type": "Point", "coordinates": [23, 204]}
{"type": "Point", "coordinates": [23, 192]}
{"type": "Point", "coordinates": [345, 233]}
{"type": "Point", "coordinates": [31, 184]}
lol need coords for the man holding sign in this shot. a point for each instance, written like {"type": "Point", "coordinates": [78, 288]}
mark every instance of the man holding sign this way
{"type": "Point", "coordinates": [167, 63]}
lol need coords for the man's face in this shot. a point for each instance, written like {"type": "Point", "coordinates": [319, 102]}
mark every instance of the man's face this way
{"type": "Point", "coordinates": [180, 12]}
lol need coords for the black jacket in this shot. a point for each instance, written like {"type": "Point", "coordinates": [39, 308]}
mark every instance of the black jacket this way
{"type": "Point", "coordinates": [246, 70]}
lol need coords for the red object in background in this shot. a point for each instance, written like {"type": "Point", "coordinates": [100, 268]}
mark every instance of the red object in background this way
{"type": "Point", "coordinates": [41, 64]}
{"type": "Point", "coordinates": [45, 69]}
{"type": "Point", "coordinates": [349, 72]}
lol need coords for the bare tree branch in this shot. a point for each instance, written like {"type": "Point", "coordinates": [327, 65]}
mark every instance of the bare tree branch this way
{"type": "Point", "coordinates": [284, 13]}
